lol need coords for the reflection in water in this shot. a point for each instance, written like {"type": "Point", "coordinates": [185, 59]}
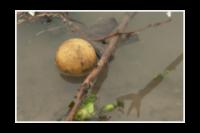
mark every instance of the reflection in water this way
{"type": "Point", "coordinates": [136, 98]}
{"type": "Point", "coordinates": [72, 79]}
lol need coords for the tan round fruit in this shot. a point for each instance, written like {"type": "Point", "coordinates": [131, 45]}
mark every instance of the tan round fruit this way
{"type": "Point", "coordinates": [76, 57]}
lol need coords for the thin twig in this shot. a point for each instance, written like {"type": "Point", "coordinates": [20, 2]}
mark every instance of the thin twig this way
{"type": "Point", "coordinates": [132, 33]}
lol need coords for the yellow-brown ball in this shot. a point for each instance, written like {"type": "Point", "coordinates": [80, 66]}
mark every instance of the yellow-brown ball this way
{"type": "Point", "coordinates": [76, 57]}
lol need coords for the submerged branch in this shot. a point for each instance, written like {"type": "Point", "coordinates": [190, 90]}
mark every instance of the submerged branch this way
{"type": "Point", "coordinates": [136, 98]}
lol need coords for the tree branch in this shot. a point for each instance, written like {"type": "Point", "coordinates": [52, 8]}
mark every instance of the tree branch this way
{"type": "Point", "coordinates": [87, 83]}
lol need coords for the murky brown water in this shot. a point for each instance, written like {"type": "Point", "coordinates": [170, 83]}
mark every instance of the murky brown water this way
{"type": "Point", "coordinates": [42, 94]}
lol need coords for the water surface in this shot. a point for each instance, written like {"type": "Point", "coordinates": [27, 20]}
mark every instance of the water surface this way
{"type": "Point", "coordinates": [43, 95]}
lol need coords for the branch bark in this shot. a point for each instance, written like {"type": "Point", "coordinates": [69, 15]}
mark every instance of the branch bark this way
{"type": "Point", "coordinates": [88, 82]}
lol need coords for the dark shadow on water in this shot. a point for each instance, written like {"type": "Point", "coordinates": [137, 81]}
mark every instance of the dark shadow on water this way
{"type": "Point", "coordinates": [100, 79]}
{"type": "Point", "coordinates": [73, 80]}
{"type": "Point", "coordinates": [128, 40]}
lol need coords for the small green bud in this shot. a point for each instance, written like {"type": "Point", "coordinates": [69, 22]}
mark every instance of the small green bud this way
{"type": "Point", "coordinates": [109, 107]}
{"type": "Point", "coordinates": [86, 112]}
